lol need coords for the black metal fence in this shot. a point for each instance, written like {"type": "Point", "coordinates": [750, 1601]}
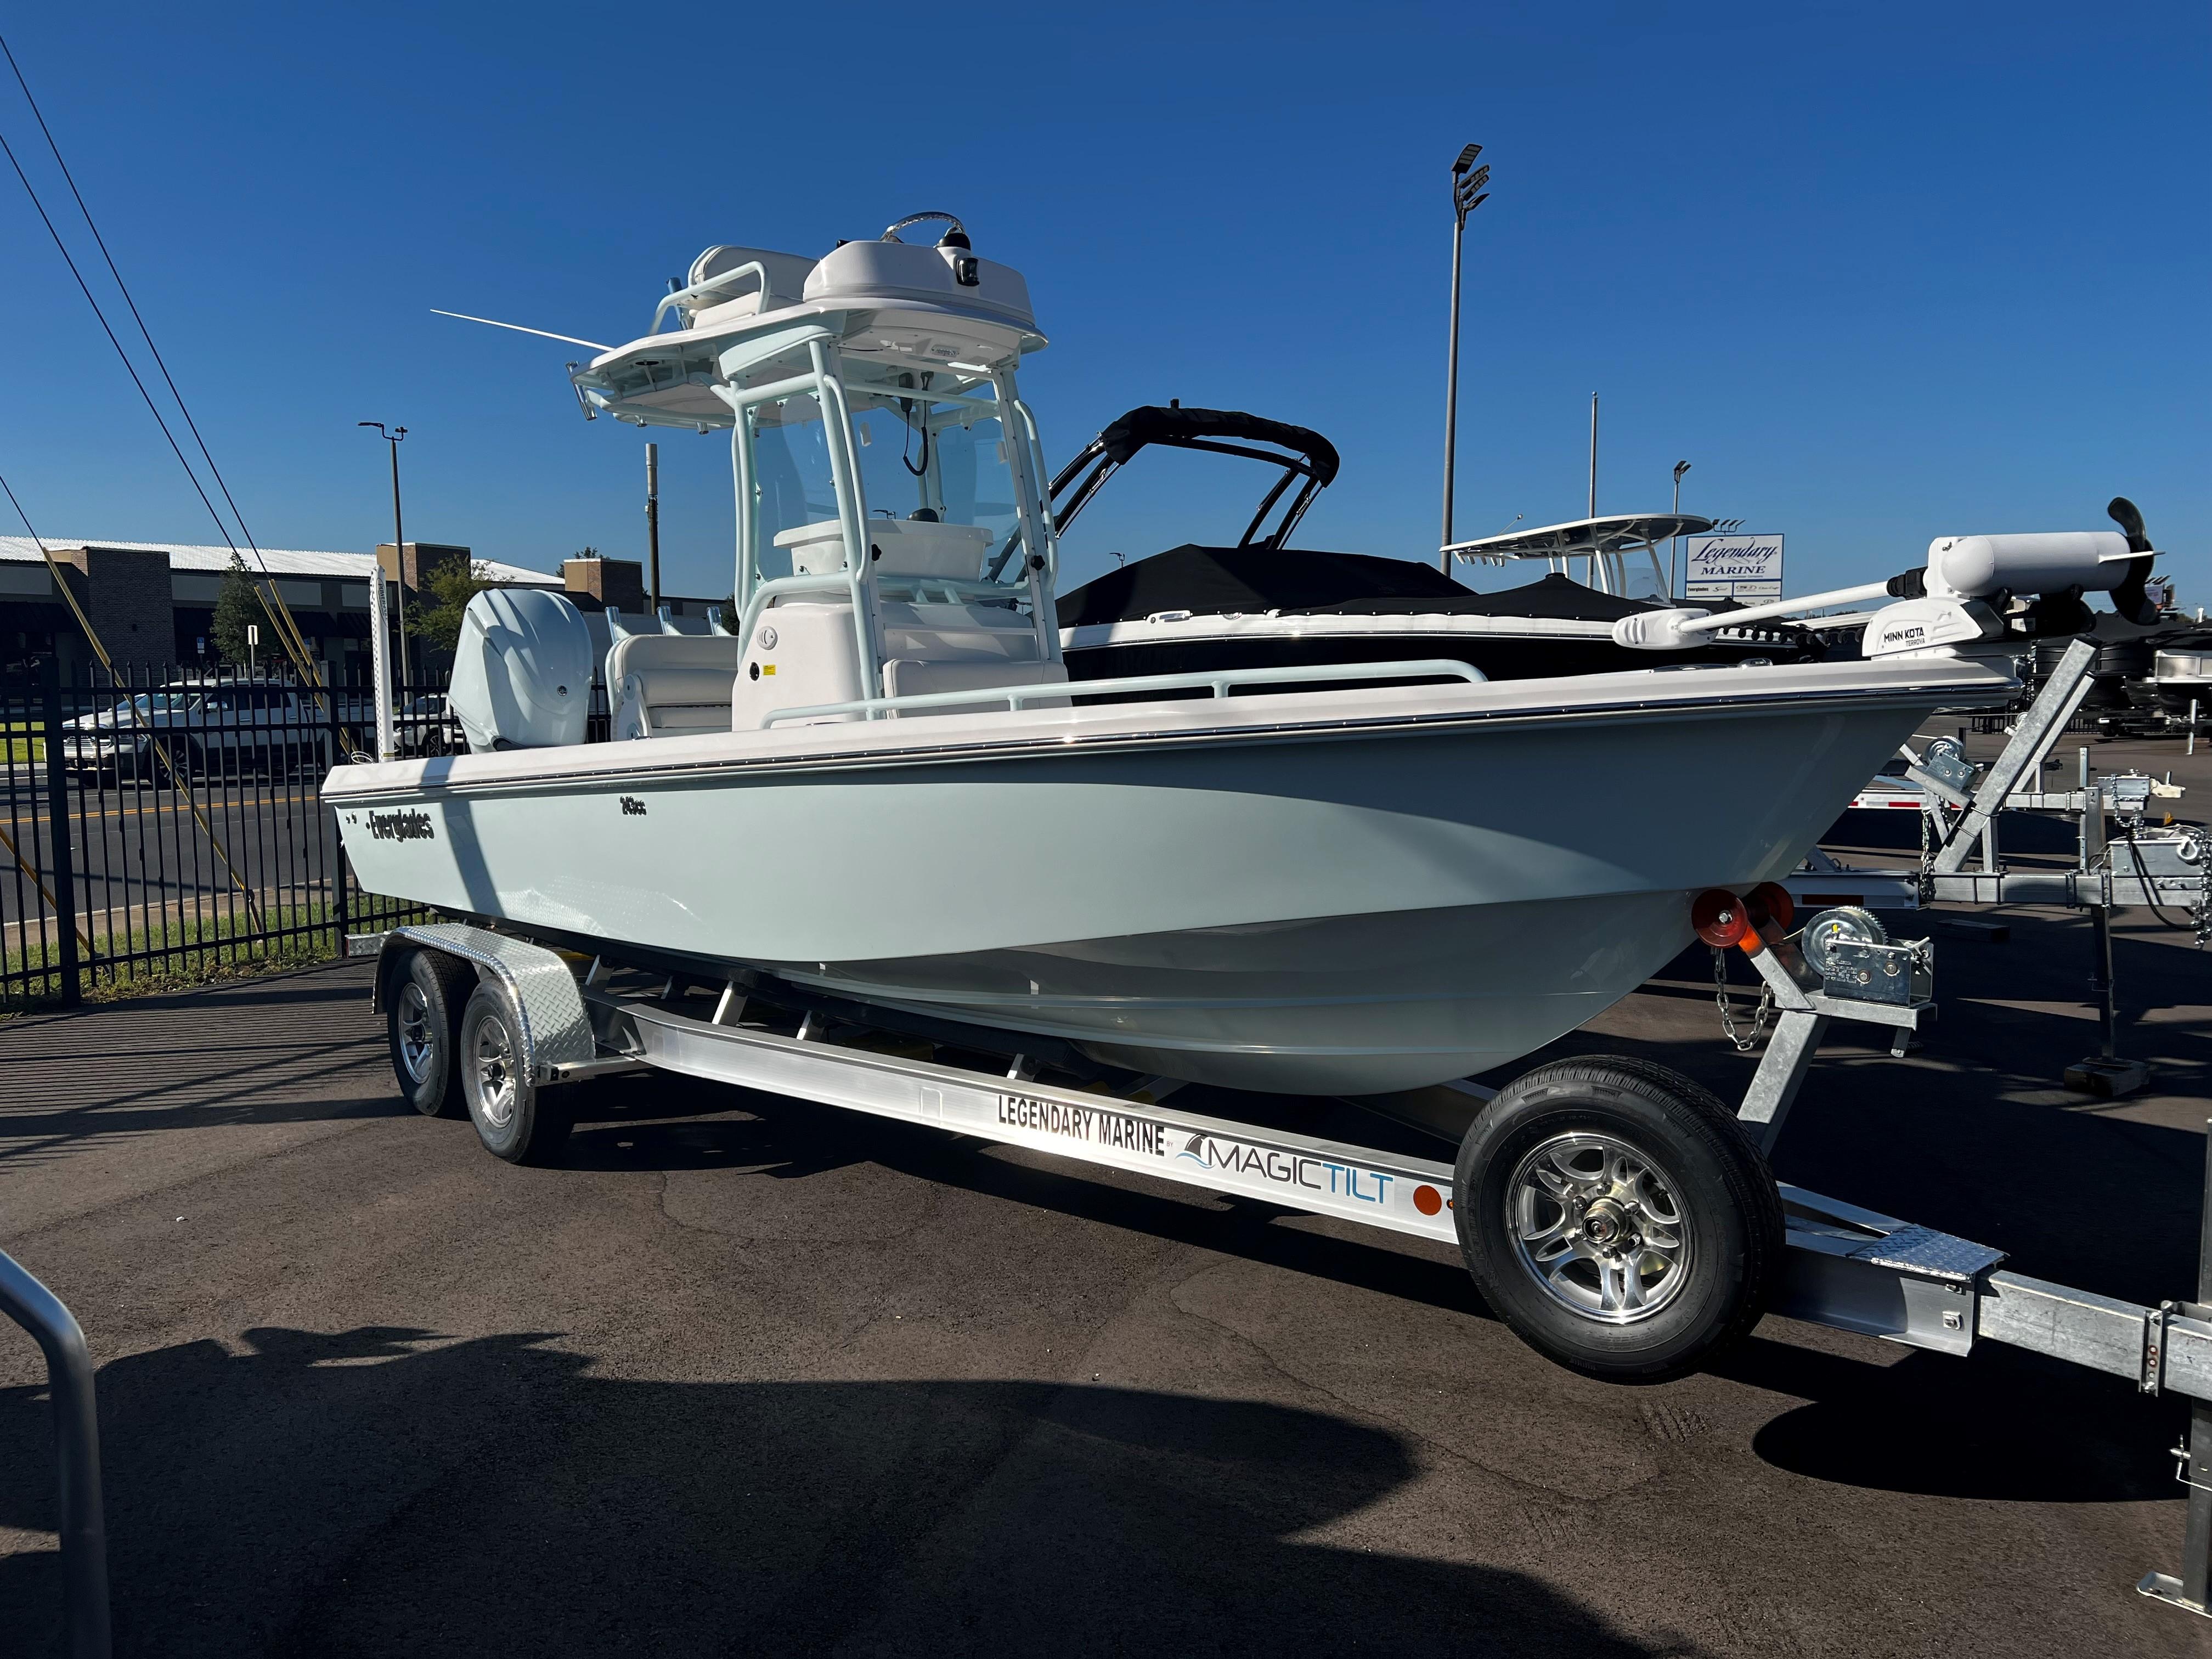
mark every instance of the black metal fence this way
{"type": "Point", "coordinates": [166, 826]}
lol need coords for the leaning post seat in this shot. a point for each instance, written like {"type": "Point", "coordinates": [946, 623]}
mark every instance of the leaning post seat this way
{"type": "Point", "coordinates": [670, 685]}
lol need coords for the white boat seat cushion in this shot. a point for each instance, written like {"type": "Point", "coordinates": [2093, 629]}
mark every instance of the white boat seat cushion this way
{"type": "Point", "coordinates": [666, 685]}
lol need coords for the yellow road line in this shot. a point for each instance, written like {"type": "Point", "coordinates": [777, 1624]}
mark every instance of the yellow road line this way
{"type": "Point", "coordinates": [214, 804]}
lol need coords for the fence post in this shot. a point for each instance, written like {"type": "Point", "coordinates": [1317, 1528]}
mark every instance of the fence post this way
{"type": "Point", "coordinates": [340, 755]}
{"type": "Point", "coordinates": [60, 860]}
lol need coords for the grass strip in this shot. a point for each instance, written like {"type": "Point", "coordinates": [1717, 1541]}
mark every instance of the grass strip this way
{"type": "Point", "coordinates": [190, 951]}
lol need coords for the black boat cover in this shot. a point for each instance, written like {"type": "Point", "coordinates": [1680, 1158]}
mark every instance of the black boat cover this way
{"type": "Point", "coordinates": [1216, 580]}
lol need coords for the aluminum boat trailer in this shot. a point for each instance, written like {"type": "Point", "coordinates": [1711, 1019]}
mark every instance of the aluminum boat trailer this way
{"type": "Point", "coordinates": [554, 1015]}
{"type": "Point", "coordinates": [2142, 866]}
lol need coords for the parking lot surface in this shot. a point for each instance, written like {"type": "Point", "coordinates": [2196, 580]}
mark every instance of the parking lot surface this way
{"type": "Point", "coordinates": [746, 1376]}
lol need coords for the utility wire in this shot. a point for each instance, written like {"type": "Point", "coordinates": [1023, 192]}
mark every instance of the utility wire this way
{"type": "Point", "coordinates": [124, 288]}
{"type": "Point", "coordinates": [129, 368]}
{"type": "Point", "coordinates": [57, 810]}
{"type": "Point", "coordinates": [296, 640]}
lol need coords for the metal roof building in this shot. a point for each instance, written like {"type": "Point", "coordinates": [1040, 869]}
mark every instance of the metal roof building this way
{"type": "Point", "coordinates": [153, 603]}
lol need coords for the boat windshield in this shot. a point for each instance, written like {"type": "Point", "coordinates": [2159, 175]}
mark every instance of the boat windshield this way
{"type": "Point", "coordinates": [926, 454]}
{"type": "Point", "coordinates": [921, 459]}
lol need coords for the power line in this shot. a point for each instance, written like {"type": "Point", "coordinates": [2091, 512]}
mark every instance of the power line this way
{"type": "Point", "coordinates": [295, 643]}
{"type": "Point", "coordinates": [124, 288]}
{"type": "Point", "coordinates": [162, 757]}
{"type": "Point", "coordinates": [129, 368]}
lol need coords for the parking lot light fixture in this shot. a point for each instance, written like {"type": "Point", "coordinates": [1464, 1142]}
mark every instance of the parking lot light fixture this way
{"type": "Point", "coordinates": [1674, 552]}
{"type": "Point", "coordinates": [393, 437]}
{"type": "Point", "coordinates": [1467, 194]}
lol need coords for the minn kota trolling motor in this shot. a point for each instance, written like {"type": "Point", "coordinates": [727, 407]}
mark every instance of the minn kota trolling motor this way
{"type": "Point", "coordinates": [1976, 594]}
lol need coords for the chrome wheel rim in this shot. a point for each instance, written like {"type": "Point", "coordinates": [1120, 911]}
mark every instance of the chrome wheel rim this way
{"type": "Point", "coordinates": [414, 1016]}
{"type": "Point", "coordinates": [1598, 1225]}
{"type": "Point", "coordinates": [493, 1060]}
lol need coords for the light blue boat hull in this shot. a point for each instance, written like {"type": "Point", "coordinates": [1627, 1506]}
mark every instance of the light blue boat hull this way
{"type": "Point", "coordinates": [1324, 912]}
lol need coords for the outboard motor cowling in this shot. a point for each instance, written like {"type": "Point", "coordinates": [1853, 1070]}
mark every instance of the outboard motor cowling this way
{"type": "Point", "coordinates": [522, 671]}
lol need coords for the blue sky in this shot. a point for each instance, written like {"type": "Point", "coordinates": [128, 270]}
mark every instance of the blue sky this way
{"type": "Point", "coordinates": [1880, 272]}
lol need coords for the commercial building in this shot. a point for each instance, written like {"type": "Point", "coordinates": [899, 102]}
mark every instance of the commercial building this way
{"type": "Point", "coordinates": [153, 603]}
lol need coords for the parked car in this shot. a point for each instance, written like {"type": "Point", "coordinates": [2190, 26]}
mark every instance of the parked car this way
{"type": "Point", "coordinates": [424, 725]}
{"type": "Point", "coordinates": [209, 729]}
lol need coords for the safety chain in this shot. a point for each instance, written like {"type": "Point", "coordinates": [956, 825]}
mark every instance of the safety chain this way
{"type": "Point", "coordinates": [1744, 1045]}
{"type": "Point", "coordinates": [1927, 859]}
{"type": "Point", "coordinates": [2204, 901]}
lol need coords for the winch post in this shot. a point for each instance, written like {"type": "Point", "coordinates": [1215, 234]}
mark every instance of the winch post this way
{"type": "Point", "coordinates": [2190, 1590]}
{"type": "Point", "coordinates": [2043, 724]}
{"type": "Point", "coordinates": [1781, 1074]}
{"type": "Point", "coordinates": [1798, 1029]}
{"type": "Point", "coordinates": [2103, 1073]}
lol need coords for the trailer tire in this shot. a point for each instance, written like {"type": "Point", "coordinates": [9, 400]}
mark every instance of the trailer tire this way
{"type": "Point", "coordinates": [515, 1119]}
{"type": "Point", "coordinates": [1618, 1218]}
{"type": "Point", "coordinates": [424, 992]}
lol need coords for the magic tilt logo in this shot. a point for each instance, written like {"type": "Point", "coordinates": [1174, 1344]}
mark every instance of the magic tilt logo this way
{"type": "Point", "coordinates": [401, 826]}
{"type": "Point", "coordinates": [1269, 1165]}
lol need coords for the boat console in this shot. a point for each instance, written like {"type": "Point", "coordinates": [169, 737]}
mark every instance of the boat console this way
{"type": "Point", "coordinates": [892, 539]}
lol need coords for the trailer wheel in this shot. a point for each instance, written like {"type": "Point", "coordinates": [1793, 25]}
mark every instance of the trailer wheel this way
{"type": "Point", "coordinates": [1618, 1218]}
{"type": "Point", "coordinates": [515, 1118]}
{"type": "Point", "coordinates": [423, 999]}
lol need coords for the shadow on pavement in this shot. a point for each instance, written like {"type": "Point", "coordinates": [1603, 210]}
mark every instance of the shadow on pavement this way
{"type": "Point", "coordinates": [780, 1138]}
{"type": "Point", "coordinates": [296, 1049]}
{"type": "Point", "coordinates": [384, 1491]}
{"type": "Point", "coordinates": [2001, 1424]}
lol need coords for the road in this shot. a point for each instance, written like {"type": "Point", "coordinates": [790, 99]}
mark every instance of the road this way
{"type": "Point", "coordinates": [746, 1376]}
{"type": "Point", "coordinates": [141, 851]}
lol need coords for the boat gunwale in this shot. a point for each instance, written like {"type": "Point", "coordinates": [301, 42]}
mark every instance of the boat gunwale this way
{"type": "Point", "coordinates": [1059, 740]}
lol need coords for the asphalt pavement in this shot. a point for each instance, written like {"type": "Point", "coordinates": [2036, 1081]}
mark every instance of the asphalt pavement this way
{"type": "Point", "coordinates": [747, 1375]}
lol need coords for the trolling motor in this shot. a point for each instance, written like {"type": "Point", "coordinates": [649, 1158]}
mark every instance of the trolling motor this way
{"type": "Point", "coordinates": [1974, 590]}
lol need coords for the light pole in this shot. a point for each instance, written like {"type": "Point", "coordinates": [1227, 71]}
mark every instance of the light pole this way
{"type": "Point", "coordinates": [398, 541]}
{"type": "Point", "coordinates": [1467, 194]}
{"type": "Point", "coordinates": [653, 519]}
{"type": "Point", "coordinates": [1675, 551]}
{"type": "Point", "coordinates": [1593, 477]}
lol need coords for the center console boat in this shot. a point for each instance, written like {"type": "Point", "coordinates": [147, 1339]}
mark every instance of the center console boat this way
{"type": "Point", "coordinates": [887, 787]}
{"type": "Point", "coordinates": [880, 848]}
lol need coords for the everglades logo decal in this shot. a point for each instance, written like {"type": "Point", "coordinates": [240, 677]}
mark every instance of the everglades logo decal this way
{"type": "Point", "coordinates": [401, 826]}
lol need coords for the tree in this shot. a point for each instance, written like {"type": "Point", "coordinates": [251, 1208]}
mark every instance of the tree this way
{"type": "Point", "coordinates": [239, 605]}
{"type": "Point", "coordinates": [434, 618]}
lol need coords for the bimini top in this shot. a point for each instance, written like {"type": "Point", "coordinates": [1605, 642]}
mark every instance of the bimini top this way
{"type": "Point", "coordinates": [747, 316]}
{"type": "Point", "coordinates": [1307, 459]}
{"type": "Point", "coordinates": [1218, 429]}
{"type": "Point", "coordinates": [1625, 532]}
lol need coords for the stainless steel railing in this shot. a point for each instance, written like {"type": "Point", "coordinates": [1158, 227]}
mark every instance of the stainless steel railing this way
{"type": "Point", "coordinates": [76, 1444]}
